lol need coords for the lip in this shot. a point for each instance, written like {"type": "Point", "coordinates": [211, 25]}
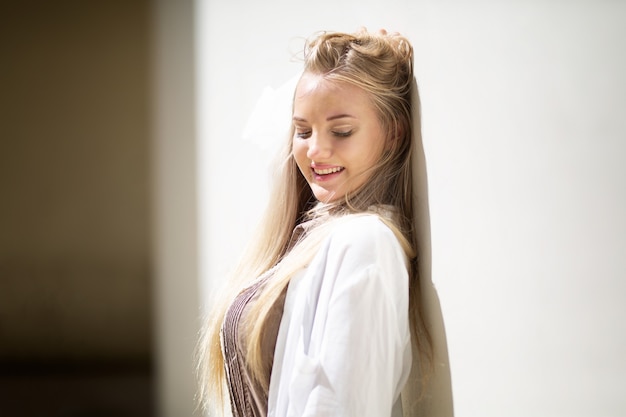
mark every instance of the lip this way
{"type": "Point", "coordinates": [325, 177]}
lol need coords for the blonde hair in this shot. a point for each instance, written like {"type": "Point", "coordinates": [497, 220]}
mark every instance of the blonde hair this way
{"type": "Point", "coordinates": [381, 65]}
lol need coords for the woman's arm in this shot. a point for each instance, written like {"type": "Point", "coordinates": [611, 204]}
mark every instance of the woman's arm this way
{"type": "Point", "coordinates": [354, 355]}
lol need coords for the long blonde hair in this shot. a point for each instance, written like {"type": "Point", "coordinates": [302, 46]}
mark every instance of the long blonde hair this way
{"type": "Point", "coordinates": [381, 65]}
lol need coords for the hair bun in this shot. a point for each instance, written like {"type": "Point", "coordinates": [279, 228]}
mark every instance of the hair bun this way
{"type": "Point", "coordinates": [394, 40]}
{"type": "Point", "coordinates": [328, 50]}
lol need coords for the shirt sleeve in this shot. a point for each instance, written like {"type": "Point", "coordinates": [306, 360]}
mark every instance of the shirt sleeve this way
{"type": "Point", "coordinates": [356, 346]}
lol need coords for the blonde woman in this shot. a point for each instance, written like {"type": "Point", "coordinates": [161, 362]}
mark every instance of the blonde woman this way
{"type": "Point", "coordinates": [324, 315]}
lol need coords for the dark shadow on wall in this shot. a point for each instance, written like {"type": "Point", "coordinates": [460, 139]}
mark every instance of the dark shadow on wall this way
{"type": "Point", "coordinates": [75, 279]}
{"type": "Point", "coordinates": [437, 398]}
{"type": "Point", "coordinates": [60, 388]}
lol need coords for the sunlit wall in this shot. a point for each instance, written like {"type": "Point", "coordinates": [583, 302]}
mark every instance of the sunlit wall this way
{"type": "Point", "coordinates": [525, 140]}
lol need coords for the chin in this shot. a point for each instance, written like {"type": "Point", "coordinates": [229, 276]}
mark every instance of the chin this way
{"type": "Point", "coordinates": [327, 197]}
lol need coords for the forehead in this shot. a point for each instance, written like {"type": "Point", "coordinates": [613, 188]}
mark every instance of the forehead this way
{"type": "Point", "coordinates": [316, 93]}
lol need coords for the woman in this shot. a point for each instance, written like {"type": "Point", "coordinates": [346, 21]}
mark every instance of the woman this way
{"type": "Point", "coordinates": [324, 316]}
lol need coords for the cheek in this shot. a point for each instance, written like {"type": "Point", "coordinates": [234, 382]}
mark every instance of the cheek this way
{"type": "Point", "coordinates": [299, 150]}
{"type": "Point", "coordinates": [370, 155]}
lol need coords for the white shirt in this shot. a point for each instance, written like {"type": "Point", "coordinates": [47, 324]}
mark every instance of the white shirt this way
{"type": "Point", "coordinates": [343, 347]}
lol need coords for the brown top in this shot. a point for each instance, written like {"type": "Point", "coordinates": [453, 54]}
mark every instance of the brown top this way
{"type": "Point", "coordinates": [248, 398]}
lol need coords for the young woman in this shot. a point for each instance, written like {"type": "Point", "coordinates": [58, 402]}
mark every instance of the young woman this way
{"type": "Point", "coordinates": [324, 315]}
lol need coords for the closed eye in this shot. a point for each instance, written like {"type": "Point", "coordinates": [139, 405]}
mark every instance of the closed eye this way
{"type": "Point", "coordinates": [342, 134]}
{"type": "Point", "coordinates": [303, 134]}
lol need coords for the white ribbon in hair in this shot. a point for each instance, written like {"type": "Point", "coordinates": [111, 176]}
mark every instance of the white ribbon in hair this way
{"type": "Point", "coordinates": [270, 120]}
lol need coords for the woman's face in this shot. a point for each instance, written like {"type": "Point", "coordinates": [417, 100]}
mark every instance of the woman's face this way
{"type": "Point", "coordinates": [337, 136]}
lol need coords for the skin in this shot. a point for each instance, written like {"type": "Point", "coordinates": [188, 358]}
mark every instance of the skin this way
{"type": "Point", "coordinates": [338, 137]}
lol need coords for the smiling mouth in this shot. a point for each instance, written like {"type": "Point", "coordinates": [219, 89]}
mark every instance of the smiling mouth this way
{"type": "Point", "coordinates": [327, 171]}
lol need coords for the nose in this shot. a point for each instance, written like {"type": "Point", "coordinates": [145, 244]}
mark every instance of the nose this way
{"type": "Point", "coordinates": [320, 147]}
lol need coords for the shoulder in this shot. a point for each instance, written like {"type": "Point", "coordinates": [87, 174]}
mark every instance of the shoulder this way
{"type": "Point", "coordinates": [366, 236]}
{"type": "Point", "coordinates": [361, 228]}
{"type": "Point", "coordinates": [361, 252]}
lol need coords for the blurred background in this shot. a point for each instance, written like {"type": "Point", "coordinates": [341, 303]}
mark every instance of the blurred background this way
{"type": "Point", "coordinates": [128, 189]}
{"type": "Point", "coordinates": [76, 276]}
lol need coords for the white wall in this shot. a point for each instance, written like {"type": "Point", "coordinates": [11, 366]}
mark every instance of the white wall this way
{"type": "Point", "coordinates": [525, 134]}
{"type": "Point", "coordinates": [525, 137]}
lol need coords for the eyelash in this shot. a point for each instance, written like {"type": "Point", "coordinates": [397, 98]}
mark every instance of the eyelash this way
{"type": "Point", "coordinates": [306, 135]}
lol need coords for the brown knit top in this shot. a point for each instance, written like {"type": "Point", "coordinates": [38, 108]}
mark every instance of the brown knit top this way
{"type": "Point", "coordinates": [247, 396]}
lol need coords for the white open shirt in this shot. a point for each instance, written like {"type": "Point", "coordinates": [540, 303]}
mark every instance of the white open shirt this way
{"type": "Point", "coordinates": [343, 346]}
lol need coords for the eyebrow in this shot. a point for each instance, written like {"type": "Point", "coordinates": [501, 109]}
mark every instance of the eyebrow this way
{"type": "Point", "coordinates": [328, 119]}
